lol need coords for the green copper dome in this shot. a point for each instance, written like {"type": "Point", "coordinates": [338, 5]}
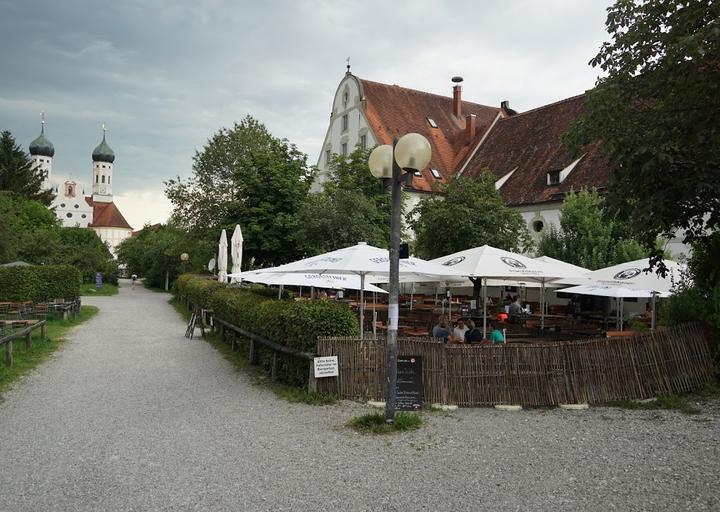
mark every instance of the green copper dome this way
{"type": "Point", "coordinates": [103, 153]}
{"type": "Point", "coordinates": [42, 146]}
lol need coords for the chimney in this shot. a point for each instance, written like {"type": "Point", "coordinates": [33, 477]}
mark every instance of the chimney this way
{"type": "Point", "coordinates": [457, 96]}
{"type": "Point", "coordinates": [470, 125]}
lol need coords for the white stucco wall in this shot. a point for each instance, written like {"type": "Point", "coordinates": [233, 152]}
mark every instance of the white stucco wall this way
{"type": "Point", "coordinates": [102, 171]}
{"type": "Point", "coordinates": [113, 237]}
{"type": "Point", "coordinates": [72, 211]}
{"type": "Point", "coordinates": [44, 163]}
{"type": "Point", "coordinates": [336, 136]}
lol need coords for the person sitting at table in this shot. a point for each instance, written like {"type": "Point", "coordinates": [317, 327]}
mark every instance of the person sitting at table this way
{"type": "Point", "coordinates": [496, 335]}
{"type": "Point", "coordinates": [473, 334]}
{"type": "Point", "coordinates": [515, 309]}
{"type": "Point", "coordinates": [458, 333]}
{"type": "Point", "coordinates": [441, 329]}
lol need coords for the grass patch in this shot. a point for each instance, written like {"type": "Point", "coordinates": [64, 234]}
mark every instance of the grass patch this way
{"type": "Point", "coordinates": [25, 361]}
{"type": "Point", "coordinates": [669, 402]}
{"type": "Point", "coordinates": [107, 289]}
{"type": "Point", "coordinates": [153, 288]}
{"type": "Point", "coordinates": [257, 376]}
{"type": "Point", "coordinates": [375, 423]}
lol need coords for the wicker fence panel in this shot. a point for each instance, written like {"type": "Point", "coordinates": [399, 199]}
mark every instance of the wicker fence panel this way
{"type": "Point", "coordinates": [599, 370]}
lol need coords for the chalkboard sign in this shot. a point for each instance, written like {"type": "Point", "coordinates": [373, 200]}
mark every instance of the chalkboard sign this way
{"type": "Point", "coordinates": [409, 383]}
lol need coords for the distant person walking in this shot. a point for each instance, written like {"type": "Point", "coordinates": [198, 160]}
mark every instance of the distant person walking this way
{"type": "Point", "coordinates": [134, 279]}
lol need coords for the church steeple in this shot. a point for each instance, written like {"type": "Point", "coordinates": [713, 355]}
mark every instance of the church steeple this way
{"type": "Point", "coordinates": [42, 152]}
{"type": "Point", "coordinates": [103, 158]}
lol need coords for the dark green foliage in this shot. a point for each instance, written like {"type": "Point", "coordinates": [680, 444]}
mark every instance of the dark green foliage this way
{"type": "Point", "coordinates": [469, 214]}
{"type": "Point", "coordinates": [244, 176]}
{"type": "Point", "coordinates": [353, 207]}
{"type": "Point", "coordinates": [589, 236]}
{"type": "Point", "coordinates": [83, 249]}
{"type": "Point", "coordinates": [199, 291]}
{"type": "Point", "coordinates": [156, 251]}
{"type": "Point", "coordinates": [39, 283]}
{"type": "Point", "coordinates": [17, 175]}
{"type": "Point", "coordinates": [657, 113]}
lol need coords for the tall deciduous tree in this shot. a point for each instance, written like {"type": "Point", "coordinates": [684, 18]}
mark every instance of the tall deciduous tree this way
{"type": "Point", "coordinates": [469, 214]}
{"type": "Point", "coordinates": [352, 207]}
{"type": "Point", "coordinates": [588, 235]}
{"type": "Point", "coordinates": [657, 111]}
{"type": "Point", "coordinates": [244, 175]}
{"type": "Point", "coordinates": [17, 176]}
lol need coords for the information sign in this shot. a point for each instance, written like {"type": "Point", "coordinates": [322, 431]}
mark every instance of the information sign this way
{"type": "Point", "coordinates": [326, 366]}
{"type": "Point", "coordinates": [98, 280]}
{"type": "Point", "coordinates": [409, 383]}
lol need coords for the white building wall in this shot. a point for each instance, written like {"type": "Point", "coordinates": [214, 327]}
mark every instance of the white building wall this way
{"type": "Point", "coordinates": [45, 164]}
{"type": "Point", "coordinates": [347, 101]}
{"type": "Point", "coordinates": [113, 237]}
{"type": "Point", "coordinates": [72, 211]}
{"type": "Point", "coordinates": [102, 181]}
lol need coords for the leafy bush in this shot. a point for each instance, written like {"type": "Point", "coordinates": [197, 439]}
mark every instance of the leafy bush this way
{"type": "Point", "coordinates": [294, 324]}
{"type": "Point", "coordinates": [39, 283]}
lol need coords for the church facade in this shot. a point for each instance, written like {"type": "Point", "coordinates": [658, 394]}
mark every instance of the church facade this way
{"type": "Point", "coordinates": [75, 209]}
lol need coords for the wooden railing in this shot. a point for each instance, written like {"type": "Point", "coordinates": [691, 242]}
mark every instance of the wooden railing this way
{"type": "Point", "coordinates": [30, 326]}
{"type": "Point", "coordinates": [673, 360]}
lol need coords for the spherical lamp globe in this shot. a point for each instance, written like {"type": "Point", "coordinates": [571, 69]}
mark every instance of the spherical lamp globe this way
{"type": "Point", "coordinates": [413, 152]}
{"type": "Point", "coordinates": [184, 256]}
{"type": "Point", "coordinates": [380, 161]}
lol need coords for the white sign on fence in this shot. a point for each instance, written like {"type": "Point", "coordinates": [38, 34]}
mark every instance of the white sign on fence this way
{"type": "Point", "coordinates": [326, 367]}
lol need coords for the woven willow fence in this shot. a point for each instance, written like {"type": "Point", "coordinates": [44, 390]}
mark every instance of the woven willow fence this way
{"type": "Point", "coordinates": [674, 360]}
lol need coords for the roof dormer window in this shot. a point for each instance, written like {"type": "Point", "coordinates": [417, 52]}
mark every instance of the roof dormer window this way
{"type": "Point", "coordinates": [435, 173]}
{"type": "Point", "coordinates": [553, 177]}
{"type": "Point", "coordinates": [557, 176]}
{"type": "Point", "coordinates": [432, 122]}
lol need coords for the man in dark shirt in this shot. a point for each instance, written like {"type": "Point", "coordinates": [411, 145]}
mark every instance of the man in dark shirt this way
{"type": "Point", "coordinates": [473, 334]}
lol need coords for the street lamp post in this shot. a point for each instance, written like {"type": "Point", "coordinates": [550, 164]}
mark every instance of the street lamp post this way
{"type": "Point", "coordinates": [411, 152]}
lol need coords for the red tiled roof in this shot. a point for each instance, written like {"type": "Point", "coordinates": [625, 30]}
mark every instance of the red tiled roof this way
{"type": "Point", "coordinates": [106, 215]}
{"type": "Point", "coordinates": [531, 143]}
{"type": "Point", "coordinates": [393, 111]}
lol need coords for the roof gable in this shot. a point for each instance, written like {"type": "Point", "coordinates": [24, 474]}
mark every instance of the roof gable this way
{"type": "Point", "coordinates": [106, 215]}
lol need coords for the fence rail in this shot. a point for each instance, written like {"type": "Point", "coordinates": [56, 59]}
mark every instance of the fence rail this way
{"type": "Point", "coordinates": [674, 360]}
{"type": "Point", "coordinates": [30, 326]}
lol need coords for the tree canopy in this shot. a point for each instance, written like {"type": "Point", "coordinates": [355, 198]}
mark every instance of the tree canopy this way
{"type": "Point", "coordinates": [469, 214]}
{"type": "Point", "coordinates": [657, 112]}
{"type": "Point", "coordinates": [156, 251]}
{"type": "Point", "coordinates": [17, 175]}
{"type": "Point", "coordinates": [352, 207]}
{"type": "Point", "coordinates": [588, 235]}
{"type": "Point", "coordinates": [244, 176]}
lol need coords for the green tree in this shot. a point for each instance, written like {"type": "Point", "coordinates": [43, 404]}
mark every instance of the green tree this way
{"type": "Point", "coordinates": [155, 252]}
{"type": "Point", "coordinates": [28, 230]}
{"type": "Point", "coordinates": [17, 175]}
{"type": "Point", "coordinates": [244, 176]}
{"type": "Point", "coordinates": [352, 207]}
{"type": "Point", "coordinates": [657, 113]}
{"type": "Point", "coordinates": [469, 214]}
{"type": "Point", "coordinates": [588, 235]}
{"type": "Point", "coordinates": [83, 249]}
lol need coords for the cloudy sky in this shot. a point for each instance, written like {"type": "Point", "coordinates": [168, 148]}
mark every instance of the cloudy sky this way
{"type": "Point", "coordinates": [165, 74]}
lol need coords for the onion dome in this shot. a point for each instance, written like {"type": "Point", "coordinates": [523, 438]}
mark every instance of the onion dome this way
{"type": "Point", "coordinates": [103, 153]}
{"type": "Point", "coordinates": [42, 146]}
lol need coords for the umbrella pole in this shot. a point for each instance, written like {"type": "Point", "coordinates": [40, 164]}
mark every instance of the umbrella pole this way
{"type": "Point", "coordinates": [542, 305]}
{"type": "Point", "coordinates": [652, 318]}
{"type": "Point", "coordinates": [362, 306]}
{"type": "Point", "coordinates": [374, 316]}
{"type": "Point", "coordinates": [484, 299]}
{"type": "Point", "coordinates": [622, 313]}
{"type": "Point", "coordinates": [412, 293]}
{"type": "Point", "coordinates": [312, 292]}
{"type": "Point", "coordinates": [450, 306]}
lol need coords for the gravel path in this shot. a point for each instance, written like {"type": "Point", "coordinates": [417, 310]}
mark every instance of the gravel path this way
{"type": "Point", "coordinates": [133, 416]}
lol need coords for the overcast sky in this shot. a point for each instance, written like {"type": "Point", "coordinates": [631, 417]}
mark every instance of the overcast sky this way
{"type": "Point", "coordinates": [165, 74]}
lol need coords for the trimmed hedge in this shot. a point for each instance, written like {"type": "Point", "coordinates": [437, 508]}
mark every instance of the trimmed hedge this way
{"type": "Point", "coordinates": [39, 283]}
{"type": "Point", "coordinates": [294, 324]}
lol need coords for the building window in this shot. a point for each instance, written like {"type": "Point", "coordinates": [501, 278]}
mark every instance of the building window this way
{"type": "Point", "coordinates": [328, 157]}
{"type": "Point", "coordinates": [345, 123]}
{"type": "Point", "coordinates": [77, 206]}
{"type": "Point", "coordinates": [538, 226]}
{"type": "Point", "coordinates": [345, 99]}
{"type": "Point", "coordinates": [62, 205]}
{"type": "Point", "coordinates": [363, 141]}
{"type": "Point", "coordinates": [344, 149]}
{"type": "Point", "coordinates": [103, 178]}
{"type": "Point", "coordinates": [108, 180]}
{"type": "Point", "coordinates": [553, 178]}
{"type": "Point", "coordinates": [435, 173]}
{"type": "Point", "coordinates": [83, 215]}
{"type": "Point", "coordinates": [97, 178]}
{"type": "Point", "coordinates": [68, 215]}
{"type": "Point", "coordinates": [432, 122]}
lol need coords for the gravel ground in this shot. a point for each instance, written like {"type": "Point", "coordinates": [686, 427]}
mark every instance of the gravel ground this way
{"type": "Point", "coordinates": [133, 416]}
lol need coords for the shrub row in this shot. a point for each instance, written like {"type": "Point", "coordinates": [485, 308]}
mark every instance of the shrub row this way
{"type": "Point", "coordinates": [294, 324]}
{"type": "Point", "coordinates": [39, 283]}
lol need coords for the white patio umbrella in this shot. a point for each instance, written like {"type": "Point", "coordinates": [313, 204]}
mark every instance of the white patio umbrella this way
{"type": "Point", "coordinates": [617, 292]}
{"type": "Point", "coordinates": [332, 281]}
{"type": "Point", "coordinates": [236, 246]}
{"type": "Point", "coordinates": [222, 258]}
{"type": "Point", "coordinates": [365, 261]}
{"type": "Point", "coordinates": [487, 262]}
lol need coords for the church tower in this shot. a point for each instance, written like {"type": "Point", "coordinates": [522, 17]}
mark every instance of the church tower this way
{"type": "Point", "coordinates": [41, 154]}
{"type": "Point", "coordinates": [103, 158]}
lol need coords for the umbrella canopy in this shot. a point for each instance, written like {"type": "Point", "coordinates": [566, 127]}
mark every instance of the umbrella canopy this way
{"type": "Point", "coordinates": [222, 257]}
{"type": "Point", "coordinates": [332, 281]}
{"type": "Point", "coordinates": [236, 243]}
{"type": "Point", "coordinates": [616, 292]}
{"type": "Point", "coordinates": [632, 275]}
{"type": "Point", "coordinates": [365, 261]}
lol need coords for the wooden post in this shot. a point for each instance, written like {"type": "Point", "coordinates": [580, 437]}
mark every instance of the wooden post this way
{"type": "Point", "coordinates": [42, 330]}
{"type": "Point", "coordinates": [28, 340]}
{"type": "Point", "coordinates": [251, 356]}
{"type": "Point", "coordinates": [8, 353]}
{"type": "Point", "coordinates": [312, 383]}
{"type": "Point", "coordinates": [273, 370]}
